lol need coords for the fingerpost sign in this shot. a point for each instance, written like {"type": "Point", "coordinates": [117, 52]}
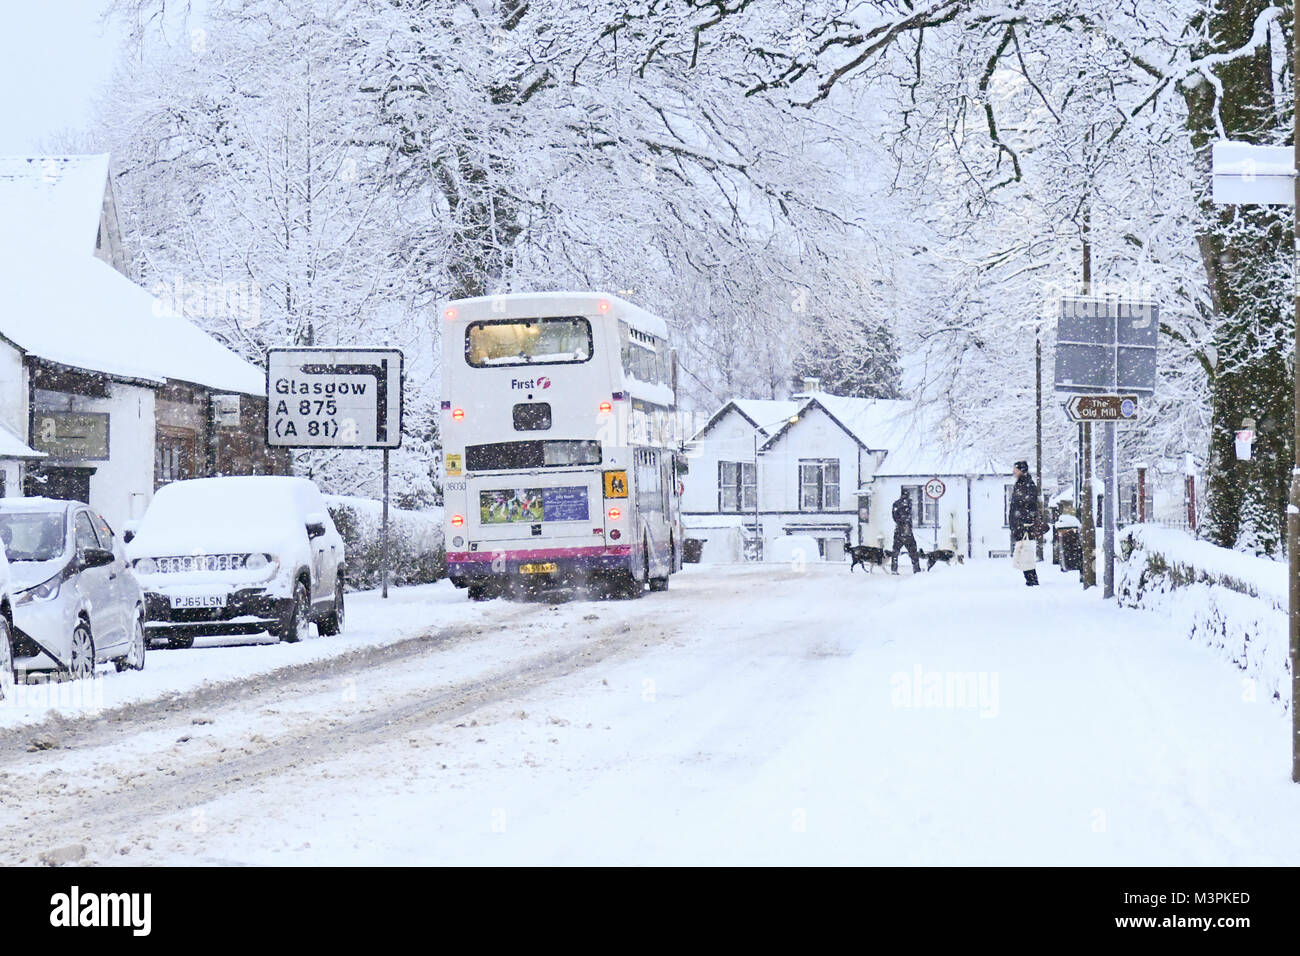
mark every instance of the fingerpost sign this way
{"type": "Point", "coordinates": [337, 398]}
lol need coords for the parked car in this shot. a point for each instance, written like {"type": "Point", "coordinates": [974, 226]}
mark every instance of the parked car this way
{"type": "Point", "coordinates": [75, 601]}
{"type": "Point", "coordinates": [238, 555]}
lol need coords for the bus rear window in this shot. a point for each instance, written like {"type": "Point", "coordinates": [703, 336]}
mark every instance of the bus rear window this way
{"type": "Point", "coordinates": [511, 455]}
{"type": "Point", "coordinates": [549, 341]}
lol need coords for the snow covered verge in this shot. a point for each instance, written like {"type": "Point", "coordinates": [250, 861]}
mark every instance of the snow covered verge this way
{"type": "Point", "coordinates": [1232, 602]}
{"type": "Point", "coordinates": [416, 551]}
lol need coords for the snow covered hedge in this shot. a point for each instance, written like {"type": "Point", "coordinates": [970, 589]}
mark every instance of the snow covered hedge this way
{"type": "Point", "coordinates": [416, 554]}
{"type": "Point", "coordinates": [1230, 601]}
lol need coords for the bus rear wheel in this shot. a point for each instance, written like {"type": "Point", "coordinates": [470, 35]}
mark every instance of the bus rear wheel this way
{"type": "Point", "coordinates": [661, 584]}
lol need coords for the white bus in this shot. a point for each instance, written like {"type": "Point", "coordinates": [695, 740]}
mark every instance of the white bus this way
{"type": "Point", "coordinates": [561, 449]}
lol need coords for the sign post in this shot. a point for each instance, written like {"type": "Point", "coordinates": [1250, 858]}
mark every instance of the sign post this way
{"type": "Point", "coordinates": [934, 489]}
{"type": "Point", "coordinates": [1106, 358]}
{"type": "Point", "coordinates": [337, 398]}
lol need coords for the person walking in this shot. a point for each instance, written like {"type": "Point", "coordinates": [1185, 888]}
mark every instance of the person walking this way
{"type": "Point", "coordinates": [903, 537]}
{"type": "Point", "coordinates": [1023, 518]}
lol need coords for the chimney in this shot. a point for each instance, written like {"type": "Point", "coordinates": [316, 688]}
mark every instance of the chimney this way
{"type": "Point", "coordinates": [811, 384]}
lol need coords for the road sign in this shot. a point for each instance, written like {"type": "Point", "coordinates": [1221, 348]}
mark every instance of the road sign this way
{"type": "Point", "coordinates": [934, 488]}
{"type": "Point", "coordinates": [334, 398]}
{"type": "Point", "coordinates": [1106, 345]}
{"type": "Point", "coordinates": [1102, 408]}
{"type": "Point", "coordinates": [1257, 175]}
{"type": "Point", "coordinates": [70, 436]}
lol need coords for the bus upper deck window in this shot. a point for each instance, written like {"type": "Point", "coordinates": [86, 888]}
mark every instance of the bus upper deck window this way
{"type": "Point", "coordinates": [532, 416]}
{"type": "Point", "coordinates": [552, 340]}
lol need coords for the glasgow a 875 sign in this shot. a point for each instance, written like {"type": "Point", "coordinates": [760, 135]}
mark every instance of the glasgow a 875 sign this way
{"type": "Point", "coordinates": [334, 398]}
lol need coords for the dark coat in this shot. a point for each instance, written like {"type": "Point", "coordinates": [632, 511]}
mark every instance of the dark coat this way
{"type": "Point", "coordinates": [1024, 507]}
{"type": "Point", "coordinates": [902, 512]}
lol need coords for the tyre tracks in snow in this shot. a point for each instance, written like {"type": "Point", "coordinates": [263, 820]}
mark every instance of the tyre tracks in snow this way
{"type": "Point", "coordinates": [145, 787]}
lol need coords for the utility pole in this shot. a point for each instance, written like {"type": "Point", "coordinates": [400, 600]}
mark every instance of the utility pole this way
{"type": "Point", "coordinates": [1038, 456]}
{"type": "Point", "coordinates": [1088, 572]}
{"type": "Point", "coordinates": [1293, 512]}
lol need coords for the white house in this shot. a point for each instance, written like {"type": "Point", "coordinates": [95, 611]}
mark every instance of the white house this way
{"type": "Point", "coordinates": [833, 472]}
{"type": "Point", "coordinates": [94, 373]}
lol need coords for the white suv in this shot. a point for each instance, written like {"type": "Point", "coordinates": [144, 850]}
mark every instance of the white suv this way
{"type": "Point", "coordinates": [238, 556]}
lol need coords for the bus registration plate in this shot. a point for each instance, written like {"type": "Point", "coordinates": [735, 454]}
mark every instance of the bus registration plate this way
{"type": "Point", "coordinates": [545, 567]}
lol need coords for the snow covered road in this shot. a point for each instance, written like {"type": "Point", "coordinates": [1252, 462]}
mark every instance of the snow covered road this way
{"type": "Point", "coordinates": [749, 715]}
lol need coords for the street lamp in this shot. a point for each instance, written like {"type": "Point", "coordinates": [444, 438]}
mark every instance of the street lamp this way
{"type": "Point", "coordinates": [758, 527]}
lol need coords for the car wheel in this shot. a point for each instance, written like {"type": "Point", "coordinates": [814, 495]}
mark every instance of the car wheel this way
{"type": "Point", "coordinates": [81, 662]}
{"type": "Point", "coordinates": [479, 592]}
{"type": "Point", "coordinates": [332, 623]}
{"type": "Point", "coordinates": [294, 628]}
{"type": "Point", "coordinates": [134, 659]}
{"type": "Point", "coordinates": [7, 678]}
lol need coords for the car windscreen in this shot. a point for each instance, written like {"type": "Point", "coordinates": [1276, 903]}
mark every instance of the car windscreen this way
{"type": "Point", "coordinates": [32, 535]}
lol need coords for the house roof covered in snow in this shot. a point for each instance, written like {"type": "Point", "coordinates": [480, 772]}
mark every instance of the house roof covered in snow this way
{"type": "Point", "coordinates": [60, 303]}
{"type": "Point", "coordinates": [83, 314]}
{"type": "Point", "coordinates": [52, 203]}
{"type": "Point", "coordinates": [912, 437]}
{"type": "Point", "coordinates": [11, 446]}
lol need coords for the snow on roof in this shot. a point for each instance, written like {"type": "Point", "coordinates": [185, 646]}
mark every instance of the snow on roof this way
{"type": "Point", "coordinates": [52, 203]}
{"type": "Point", "coordinates": [78, 311]}
{"type": "Point", "coordinates": [769, 415]}
{"type": "Point", "coordinates": [911, 436]}
{"type": "Point", "coordinates": [63, 305]}
{"type": "Point", "coordinates": [917, 445]}
{"type": "Point", "coordinates": [11, 446]}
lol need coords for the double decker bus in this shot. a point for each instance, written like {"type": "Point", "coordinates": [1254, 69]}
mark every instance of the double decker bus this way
{"type": "Point", "coordinates": [562, 456]}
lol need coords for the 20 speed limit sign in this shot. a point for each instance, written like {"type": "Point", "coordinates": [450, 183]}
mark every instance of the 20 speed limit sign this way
{"type": "Point", "coordinates": [934, 488]}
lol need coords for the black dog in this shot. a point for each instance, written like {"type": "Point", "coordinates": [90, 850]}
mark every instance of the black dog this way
{"type": "Point", "coordinates": [867, 556]}
{"type": "Point", "coordinates": [934, 557]}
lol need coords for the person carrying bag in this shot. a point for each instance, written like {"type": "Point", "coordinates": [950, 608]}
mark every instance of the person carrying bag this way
{"type": "Point", "coordinates": [1027, 524]}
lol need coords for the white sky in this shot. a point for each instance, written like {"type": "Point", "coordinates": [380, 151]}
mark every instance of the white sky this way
{"type": "Point", "coordinates": [54, 59]}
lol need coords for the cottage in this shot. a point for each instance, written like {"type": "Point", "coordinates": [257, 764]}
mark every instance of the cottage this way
{"type": "Point", "coordinates": [829, 467]}
{"type": "Point", "coordinates": [106, 394]}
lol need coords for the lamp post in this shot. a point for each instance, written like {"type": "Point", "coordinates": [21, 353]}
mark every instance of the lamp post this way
{"type": "Point", "coordinates": [758, 526]}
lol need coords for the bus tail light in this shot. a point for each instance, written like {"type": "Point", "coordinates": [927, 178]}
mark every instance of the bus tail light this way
{"type": "Point", "coordinates": [615, 534]}
{"type": "Point", "coordinates": [603, 305]}
{"type": "Point", "coordinates": [457, 521]}
{"type": "Point", "coordinates": [615, 514]}
{"type": "Point", "coordinates": [450, 315]}
{"type": "Point", "coordinates": [458, 414]}
{"type": "Point", "coordinates": [606, 407]}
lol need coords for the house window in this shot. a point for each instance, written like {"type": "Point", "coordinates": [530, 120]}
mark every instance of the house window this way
{"type": "Point", "coordinates": [819, 484]}
{"type": "Point", "coordinates": [925, 510]}
{"type": "Point", "coordinates": [173, 456]}
{"type": "Point", "coordinates": [1007, 491]}
{"type": "Point", "coordinates": [736, 486]}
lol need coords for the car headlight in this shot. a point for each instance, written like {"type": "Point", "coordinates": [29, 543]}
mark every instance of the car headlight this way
{"type": "Point", "coordinates": [45, 591]}
{"type": "Point", "coordinates": [257, 562]}
{"type": "Point", "coordinates": [146, 565]}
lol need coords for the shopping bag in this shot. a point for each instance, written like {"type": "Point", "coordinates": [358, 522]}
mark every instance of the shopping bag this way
{"type": "Point", "coordinates": [1025, 556]}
